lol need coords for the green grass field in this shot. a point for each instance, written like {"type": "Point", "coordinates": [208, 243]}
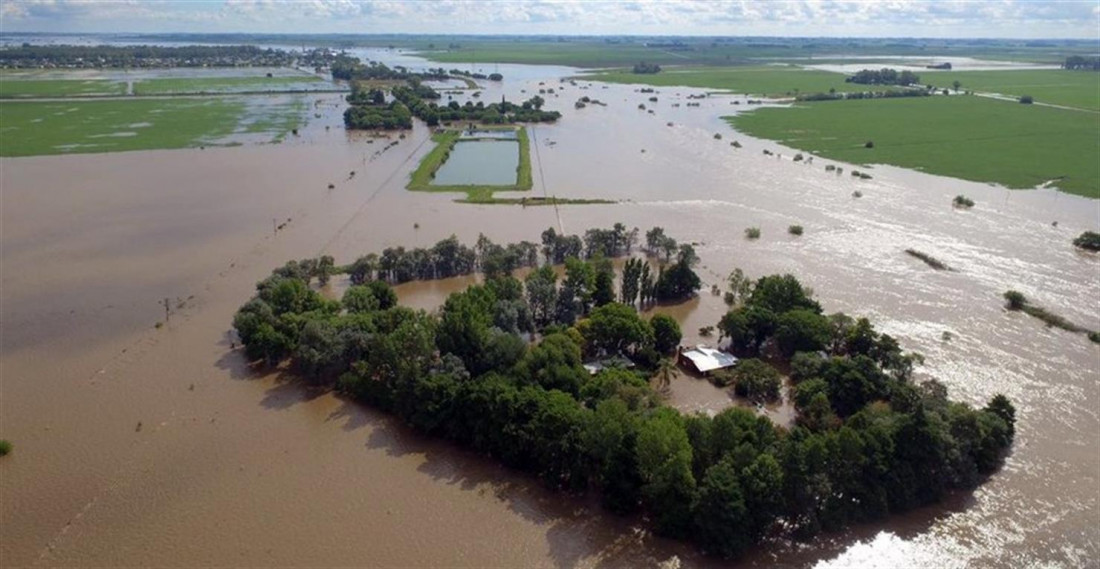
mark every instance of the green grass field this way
{"type": "Point", "coordinates": [973, 138]}
{"type": "Point", "coordinates": [38, 88]}
{"type": "Point", "coordinates": [40, 128]}
{"type": "Point", "coordinates": [191, 85]}
{"type": "Point", "coordinates": [755, 80]}
{"type": "Point", "coordinates": [1079, 89]}
{"type": "Point", "coordinates": [596, 52]}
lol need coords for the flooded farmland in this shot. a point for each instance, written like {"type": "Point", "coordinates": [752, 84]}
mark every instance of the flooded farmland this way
{"type": "Point", "coordinates": [138, 445]}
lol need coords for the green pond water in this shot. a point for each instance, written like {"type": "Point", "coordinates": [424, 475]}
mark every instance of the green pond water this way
{"type": "Point", "coordinates": [480, 162]}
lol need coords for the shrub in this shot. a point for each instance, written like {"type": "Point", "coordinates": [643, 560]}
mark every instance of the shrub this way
{"type": "Point", "coordinates": [1089, 240]}
{"type": "Point", "coordinates": [962, 201]}
{"type": "Point", "coordinates": [929, 260]}
{"type": "Point", "coordinates": [722, 378]}
{"type": "Point", "coordinates": [1015, 299]}
{"type": "Point", "coordinates": [1094, 337]}
{"type": "Point", "coordinates": [706, 331]}
{"type": "Point", "coordinates": [857, 194]}
{"type": "Point", "coordinates": [1026, 100]}
{"type": "Point", "coordinates": [798, 157]}
{"type": "Point", "coordinates": [717, 136]}
{"type": "Point", "coordinates": [752, 233]}
{"type": "Point", "coordinates": [5, 447]}
{"type": "Point", "coordinates": [869, 144]}
{"type": "Point", "coordinates": [795, 230]}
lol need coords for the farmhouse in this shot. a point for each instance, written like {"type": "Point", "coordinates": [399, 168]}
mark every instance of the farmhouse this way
{"type": "Point", "coordinates": [705, 360]}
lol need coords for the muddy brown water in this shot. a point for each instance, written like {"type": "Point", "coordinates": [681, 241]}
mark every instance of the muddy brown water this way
{"type": "Point", "coordinates": [143, 446]}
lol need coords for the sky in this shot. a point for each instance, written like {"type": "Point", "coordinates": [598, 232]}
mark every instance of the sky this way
{"type": "Point", "coordinates": [1059, 19]}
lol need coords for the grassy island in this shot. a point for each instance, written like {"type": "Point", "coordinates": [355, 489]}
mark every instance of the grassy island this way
{"type": "Point", "coordinates": [446, 140]}
{"type": "Point", "coordinates": [869, 440]}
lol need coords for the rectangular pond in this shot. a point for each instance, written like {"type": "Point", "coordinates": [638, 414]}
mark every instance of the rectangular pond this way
{"type": "Point", "coordinates": [480, 163]}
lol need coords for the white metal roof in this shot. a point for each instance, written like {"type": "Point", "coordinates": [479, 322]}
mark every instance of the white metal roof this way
{"type": "Point", "coordinates": [708, 359]}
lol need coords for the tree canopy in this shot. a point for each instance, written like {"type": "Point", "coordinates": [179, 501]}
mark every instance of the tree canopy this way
{"type": "Point", "coordinates": [868, 441]}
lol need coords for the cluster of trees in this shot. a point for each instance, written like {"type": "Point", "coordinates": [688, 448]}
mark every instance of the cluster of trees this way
{"type": "Point", "coordinates": [471, 75]}
{"type": "Point", "coordinates": [503, 112]}
{"type": "Point", "coordinates": [590, 277]}
{"type": "Point", "coordinates": [369, 110]}
{"type": "Point", "coordinates": [350, 68]}
{"type": "Point", "coordinates": [1082, 63]}
{"type": "Point", "coordinates": [447, 258]}
{"type": "Point", "coordinates": [726, 482]}
{"type": "Point", "coordinates": [857, 95]}
{"type": "Point", "coordinates": [1089, 241]}
{"type": "Point", "coordinates": [646, 68]}
{"type": "Point", "coordinates": [884, 76]}
{"type": "Point", "coordinates": [97, 56]}
{"type": "Point", "coordinates": [393, 115]}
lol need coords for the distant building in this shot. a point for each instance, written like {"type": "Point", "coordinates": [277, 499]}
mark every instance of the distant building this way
{"type": "Point", "coordinates": [705, 360]}
{"type": "Point", "coordinates": [597, 366]}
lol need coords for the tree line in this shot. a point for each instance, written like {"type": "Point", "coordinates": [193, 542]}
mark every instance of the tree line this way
{"type": "Point", "coordinates": [350, 68]}
{"type": "Point", "coordinates": [473, 75]}
{"type": "Point", "coordinates": [884, 76]}
{"type": "Point", "coordinates": [369, 109]}
{"type": "Point", "coordinates": [868, 442]}
{"type": "Point", "coordinates": [98, 56]}
{"type": "Point", "coordinates": [503, 112]}
{"type": "Point", "coordinates": [858, 95]}
{"type": "Point", "coordinates": [588, 283]}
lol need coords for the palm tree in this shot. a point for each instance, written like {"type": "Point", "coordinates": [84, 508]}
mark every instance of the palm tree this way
{"type": "Point", "coordinates": [666, 370]}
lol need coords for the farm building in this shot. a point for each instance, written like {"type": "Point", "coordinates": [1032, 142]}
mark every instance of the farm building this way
{"type": "Point", "coordinates": [705, 360]}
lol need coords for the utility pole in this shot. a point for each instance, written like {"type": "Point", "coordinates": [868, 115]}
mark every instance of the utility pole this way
{"type": "Point", "coordinates": [167, 312]}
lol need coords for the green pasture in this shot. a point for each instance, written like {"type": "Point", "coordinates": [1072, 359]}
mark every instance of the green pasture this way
{"type": "Point", "coordinates": [41, 88]}
{"type": "Point", "coordinates": [973, 138]}
{"type": "Point", "coordinates": [198, 85]}
{"type": "Point", "coordinates": [1079, 89]}
{"type": "Point", "coordinates": [777, 81]}
{"type": "Point", "coordinates": [67, 127]}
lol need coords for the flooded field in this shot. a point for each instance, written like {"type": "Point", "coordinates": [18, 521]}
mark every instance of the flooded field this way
{"type": "Point", "coordinates": [143, 446]}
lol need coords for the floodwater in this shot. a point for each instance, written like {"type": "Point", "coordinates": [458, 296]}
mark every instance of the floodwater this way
{"type": "Point", "coordinates": [920, 63]}
{"type": "Point", "coordinates": [143, 446]}
{"type": "Point", "coordinates": [480, 162]}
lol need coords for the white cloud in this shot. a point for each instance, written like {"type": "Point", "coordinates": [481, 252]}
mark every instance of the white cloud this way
{"type": "Point", "coordinates": [973, 18]}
